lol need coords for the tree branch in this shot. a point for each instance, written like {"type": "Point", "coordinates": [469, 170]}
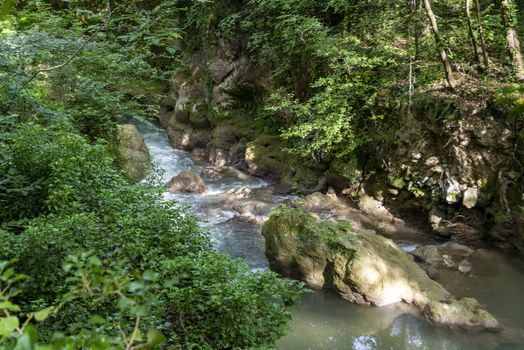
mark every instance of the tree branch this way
{"type": "Point", "coordinates": [84, 44]}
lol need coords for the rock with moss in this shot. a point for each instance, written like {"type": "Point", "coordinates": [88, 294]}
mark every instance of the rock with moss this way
{"type": "Point", "coordinates": [361, 267]}
{"type": "Point", "coordinates": [265, 157]}
{"type": "Point", "coordinates": [133, 152]}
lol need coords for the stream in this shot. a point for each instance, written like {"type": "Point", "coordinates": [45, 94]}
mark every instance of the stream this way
{"type": "Point", "coordinates": [323, 320]}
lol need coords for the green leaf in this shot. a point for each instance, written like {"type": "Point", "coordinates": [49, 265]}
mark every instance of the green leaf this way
{"type": "Point", "coordinates": [150, 276]}
{"type": "Point", "coordinates": [43, 314]}
{"type": "Point", "coordinates": [96, 320]}
{"type": "Point", "coordinates": [27, 340]}
{"type": "Point", "coordinates": [7, 305]}
{"type": "Point", "coordinates": [8, 325]}
{"type": "Point", "coordinates": [155, 338]}
{"type": "Point", "coordinates": [8, 273]}
{"type": "Point", "coordinates": [95, 261]}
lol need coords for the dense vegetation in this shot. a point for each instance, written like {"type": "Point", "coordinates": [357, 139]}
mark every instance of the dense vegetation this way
{"type": "Point", "coordinates": [89, 260]}
{"type": "Point", "coordinates": [340, 70]}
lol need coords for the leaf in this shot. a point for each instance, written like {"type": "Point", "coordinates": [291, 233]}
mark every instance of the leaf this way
{"type": "Point", "coordinates": [95, 261]}
{"type": "Point", "coordinates": [150, 276]}
{"type": "Point", "coordinates": [27, 340]}
{"type": "Point", "coordinates": [96, 320]}
{"type": "Point", "coordinates": [8, 273]}
{"type": "Point", "coordinates": [7, 305]}
{"type": "Point", "coordinates": [155, 338]}
{"type": "Point", "coordinates": [43, 314]}
{"type": "Point", "coordinates": [8, 325]}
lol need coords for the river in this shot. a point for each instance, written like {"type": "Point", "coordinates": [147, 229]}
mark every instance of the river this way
{"type": "Point", "coordinates": [323, 320]}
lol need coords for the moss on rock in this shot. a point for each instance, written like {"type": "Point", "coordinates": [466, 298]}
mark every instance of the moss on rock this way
{"type": "Point", "coordinates": [361, 267]}
{"type": "Point", "coordinates": [133, 152]}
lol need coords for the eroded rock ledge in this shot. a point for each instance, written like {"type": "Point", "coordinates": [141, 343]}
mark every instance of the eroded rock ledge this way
{"type": "Point", "coordinates": [362, 267]}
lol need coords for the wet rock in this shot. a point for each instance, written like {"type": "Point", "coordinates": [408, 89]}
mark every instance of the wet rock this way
{"type": "Point", "coordinates": [187, 182]}
{"type": "Point", "coordinates": [237, 155]}
{"type": "Point", "coordinates": [435, 217]}
{"type": "Point", "coordinates": [464, 266]}
{"type": "Point", "coordinates": [252, 208]}
{"type": "Point", "coordinates": [199, 153]}
{"type": "Point", "coordinates": [135, 160]}
{"type": "Point", "coordinates": [465, 313]}
{"type": "Point", "coordinates": [362, 267]}
{"type": "Point", "coordinates": [448, 255]}
{"type": "Point", "coordinates": [218, 157]}
{"type": "Point", "coordinates": [224, 173]}
{"type": "Point", "coordinates": [322, 202]}
{"type": "Point", "coordinates": [370, 205]}
{"type": "Point", "coordinates": [265, 194]}
{"type": "Point", "coordinates": [239, 219]}
{"type": "Point", "coordinates": [239, 193]}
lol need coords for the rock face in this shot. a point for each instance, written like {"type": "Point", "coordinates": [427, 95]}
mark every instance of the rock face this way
{"type": "Point", "coordinates": [458, 159]}
{"type": "Point", "coordinates": [197, 117]}
{"type": "Point", "coordinates": [362, 267]}
{"type": "Point", "coordinates": [133, 152]}
{"type": "Point", "coordinates": [187, 182]}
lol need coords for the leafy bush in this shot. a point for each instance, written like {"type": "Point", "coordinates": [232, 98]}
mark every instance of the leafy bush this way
{"type": "Point", "coordinates": [155, 278]}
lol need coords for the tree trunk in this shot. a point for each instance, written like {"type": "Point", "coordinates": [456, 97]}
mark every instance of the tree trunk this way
{"type": "Point", "coordinates": [442, 50]}
{"type": "Point", "coordinates": [417, 30]}
{"type": "Point", "coordinates": [481, 35]}
{"type": "Point", "coordinates": [470, 32]}
{"type": "Point", "coordinates": [509, 20]}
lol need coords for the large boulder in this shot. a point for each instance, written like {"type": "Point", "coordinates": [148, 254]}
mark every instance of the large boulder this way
{"type": "Point", "coordinates": [362, 267]}
{"type": "Point", "coordinates": [133, 152]}
{"type": "Point", "coordinates": [187, 182]}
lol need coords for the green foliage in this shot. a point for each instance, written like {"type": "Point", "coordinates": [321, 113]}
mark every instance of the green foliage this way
{"type": "Point", "coordinates": [337, 67]}
{"type": "Point", "coordinates": [513, 96]}
{"type": "Point", "coordinates": [155, 280]}
{"type": "Point", "coordinates": [120, 299]}
{"type": "Point", "coordinates": [87, 206]}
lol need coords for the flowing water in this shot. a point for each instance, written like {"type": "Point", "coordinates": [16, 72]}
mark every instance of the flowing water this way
{"type": "Point", "coordinates": [323, 320]}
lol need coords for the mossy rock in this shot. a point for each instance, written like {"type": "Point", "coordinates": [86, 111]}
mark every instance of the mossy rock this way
{"type": "Point", "coordinates": [133, 152]}
{"type": "Point", "coordinates": [303, 177]}
{"type": "Point", "coordinates": [361, 267]}
{"type": "Point", "coordinates": [264, 156]}
{"type": "Point", "coordinates": [225, 136]}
